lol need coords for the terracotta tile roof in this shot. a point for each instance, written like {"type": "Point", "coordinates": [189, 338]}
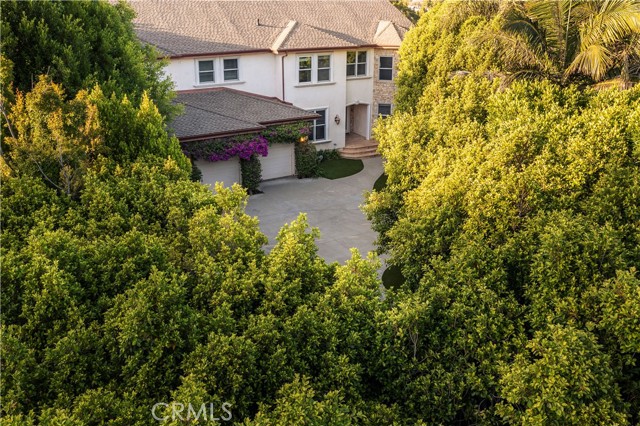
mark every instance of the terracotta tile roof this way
{"type": "Point", "coordinates": [199, 27]}
{"type": "Point", "coordinates": [221, 111]}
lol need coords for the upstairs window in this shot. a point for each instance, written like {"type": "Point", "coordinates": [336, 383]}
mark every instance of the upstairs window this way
{"type": "Point", "coordinates": [205, 72]}
{"type": "Point", "coordinates": [324, 67]}
{"type": "Point", "coordinates": [319, 127]}
{"type": "Point", "coordinates": [357, 63]}
{"type": "Point", "coordinates": [230, 69]}
{"type": "Point", "coordinates": [217, 71]}
{"type": "Point", "coordinates": [314, 68]}
{"type": "Point", "coordinates": [304, 69]}
{"type": "Point", "coordinates": [386, 68]}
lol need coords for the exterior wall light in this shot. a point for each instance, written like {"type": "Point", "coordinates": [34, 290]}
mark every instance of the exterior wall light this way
{"type": "Point", "coordinates": [337, 119]}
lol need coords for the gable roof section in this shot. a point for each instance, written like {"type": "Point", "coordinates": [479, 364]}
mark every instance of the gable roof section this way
{"type": "Point", "coordinates": [387, 34]}
{"type": "Point", "coordinates": [182, 28]}
{"type": "Point", "coordinates": [211, 113]}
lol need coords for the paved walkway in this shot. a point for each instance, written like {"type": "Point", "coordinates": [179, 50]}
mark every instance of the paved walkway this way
{"type": "Point", "coordinates": [331, 205]}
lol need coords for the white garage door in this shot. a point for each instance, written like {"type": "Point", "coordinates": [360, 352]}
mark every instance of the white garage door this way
{"type": "Point", "coordinates": [279, 162]}
{"type": "Point", "coordinates": [227, 172]}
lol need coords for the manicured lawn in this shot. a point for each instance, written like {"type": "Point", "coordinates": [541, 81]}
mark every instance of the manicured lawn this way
{"type": "Point", "coordinates": [336, 169]}
{"type": "Point", "coordinates": [392, 277]}
{"type": "Point", "coordinates": [380, 183]}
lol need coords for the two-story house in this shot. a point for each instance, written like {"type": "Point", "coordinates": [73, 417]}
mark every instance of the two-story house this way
{"type": "Point", "coordinates": [336, 58]}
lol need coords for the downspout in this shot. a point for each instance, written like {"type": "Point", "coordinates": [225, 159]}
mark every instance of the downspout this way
{"type": "Point", "coordinates": [282, 73]}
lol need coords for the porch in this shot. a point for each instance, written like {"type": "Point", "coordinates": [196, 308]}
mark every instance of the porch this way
{"type": "Point", "coordinates": [357, 146]}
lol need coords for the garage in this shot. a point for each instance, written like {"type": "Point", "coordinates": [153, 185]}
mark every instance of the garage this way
{"type": "Point", "coordinates": [279, 162]}
{"type": "Point", "coordinates": [227, 172]}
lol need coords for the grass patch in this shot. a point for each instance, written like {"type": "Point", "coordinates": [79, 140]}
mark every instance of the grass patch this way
{"type": "Point", "coordinates": [392, 277]}
{"type": "Point", "coordinates": [336, 169]}
{"type": "Point", "coordinates": [380, 183]}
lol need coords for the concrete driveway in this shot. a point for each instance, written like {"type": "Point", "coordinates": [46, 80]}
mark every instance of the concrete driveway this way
{"type": "Point", "coordinates": [331, 205]}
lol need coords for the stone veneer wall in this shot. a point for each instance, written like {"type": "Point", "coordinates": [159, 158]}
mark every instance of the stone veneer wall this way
{"type": "Point", "coordinates": [383, 91]}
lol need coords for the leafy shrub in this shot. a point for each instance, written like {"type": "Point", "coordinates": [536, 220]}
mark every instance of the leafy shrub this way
{"type": "Point", "coordinates": [306, 160]}
{"type": "Point", "coordinates": [196, 173]}
{"type": "Point", "coordinates": [328, 154]}
{"type": "Point", "coordinates": [251, 171]}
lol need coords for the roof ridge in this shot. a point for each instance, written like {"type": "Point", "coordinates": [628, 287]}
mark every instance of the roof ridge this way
{"type": "Point", "coordinates": [282, 37]}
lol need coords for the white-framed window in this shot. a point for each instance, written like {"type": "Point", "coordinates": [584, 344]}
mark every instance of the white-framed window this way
{"type": "Point", "coordinates": [324, 68]}
{"type": "Point", "coordinates": [304, 69]}
{"type": "Point", "coordinates": [230, 69]}
{"type": "Point", "coordinates": [357, 63]}
{"type": "Point", "coordinates": [319, 130]}
{"type": "Point", "coordinates": [384, 110]}
{"type": "Point", "coordinates": [206, 71]}
{"type": "Point", "coordinates": [217, 70]}
{"type": "Point", "coordinates": [386, 68]}
{"type": "Point", "coordinates": [314, 68]}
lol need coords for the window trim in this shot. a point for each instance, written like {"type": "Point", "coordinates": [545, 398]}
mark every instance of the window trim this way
{"type": "Point", "coordinates": [317, 74]}
{"type": "Point", "coordinates": [384, 115]}
{"type": "Point", "coordinates": [218, 71]}
{"type": "Point", "coordinates": [314, 69]}
{"type": "Point", "coordinates": [213, 71]}
{"type": "Point", "coordinates": [299, 70]}
{"type": "Point", "coordinates": [326, 125]}
{"type": "Point", "coordinates": [236, 69]}
{"type": "Point", "coordinates": [380, 68]}
{"type": "Point", "coordinates": [356, 63]}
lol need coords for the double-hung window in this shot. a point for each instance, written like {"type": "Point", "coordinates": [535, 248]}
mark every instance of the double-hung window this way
{"type": "Point", "coordinates": [304, 69]}
{"type": "Point", "coordinates": [324, 68]}
{"type": "Point", "coordinates": [217, 70]}
{"type": "Point", "coordinates": [357, 63]}
{"type": "Point", "coordinates": [314, 68]}
{"type": "Point", "coordinates": [206, 72]}
{"type": "Point", "coordinates": [386, 68]}
{"type": "Point", "coordinates": [319, 127]}
{"type": "Point", "coordinates": [230, 67]}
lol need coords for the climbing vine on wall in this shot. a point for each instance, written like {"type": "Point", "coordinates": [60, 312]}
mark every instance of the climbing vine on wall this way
{"type": "Point", "coordinates": [244, 146]}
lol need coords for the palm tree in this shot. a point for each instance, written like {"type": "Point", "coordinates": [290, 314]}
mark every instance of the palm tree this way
{"type": "Point", "coordinates": [567, 38]}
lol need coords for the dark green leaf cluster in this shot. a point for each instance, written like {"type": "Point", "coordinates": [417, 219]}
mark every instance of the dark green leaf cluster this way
{"type": "Point", "coordinates": [80, 44]}
{"type": "Point", "coordinates": [150, 288]}
{"type": "Point", "coordinates": [306, 160]}
{"type": "Point", "coordinates": [251, 171]}
{"type": "Point", "coordinates": [513, 215]}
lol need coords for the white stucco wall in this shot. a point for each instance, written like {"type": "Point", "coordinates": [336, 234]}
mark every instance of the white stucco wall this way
{"type": "Point", "coordinates": [261, 73]}
{"type": "Point", "coordinates": [257, 73]}
{"type": "Point", "coordinates": [330, 95]}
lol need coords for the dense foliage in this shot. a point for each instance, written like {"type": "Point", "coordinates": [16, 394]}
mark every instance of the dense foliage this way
{"type": "Point", "coordinates": [513, 213]}
{"type": "Point", "coordinates": [150, 288]}
{"type": "Point", "coordinates": [79, 44]}
{"type": "Point", "coordinates": [306, 158]}
{"type": "Point", "coordinates": [251, 171]}
{"type": "Point", "coordinates": [58, 140]}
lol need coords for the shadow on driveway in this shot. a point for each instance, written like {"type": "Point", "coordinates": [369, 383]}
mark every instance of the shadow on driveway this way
{"type": "Point", "coordinates": [331, 205]}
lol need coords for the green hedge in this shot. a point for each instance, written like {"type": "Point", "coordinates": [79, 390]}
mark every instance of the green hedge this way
{"type": "Point", "coordinates": [306, 160]}
{"type": "Point", "coordinates": [251, 171]}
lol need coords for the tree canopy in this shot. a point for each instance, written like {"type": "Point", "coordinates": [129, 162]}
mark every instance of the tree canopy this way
{"type": "Point", "coordinates": [79, 44]}
{"type": "Point", "coordinates": [512, 211]}
{"type": "Point", "coordinates": [512, 208]}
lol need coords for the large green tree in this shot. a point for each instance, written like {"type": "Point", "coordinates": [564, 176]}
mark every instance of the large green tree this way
{"type": "Point", "coordinates": [79, 44]}
{"type": "Point", "coordinates": [59, 140]}
{"type": "Point", "coordinates": [512, 211]}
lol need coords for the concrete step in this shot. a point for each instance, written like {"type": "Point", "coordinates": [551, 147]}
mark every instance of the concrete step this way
{"type": "Point", "coordinates": [360, 153]}
{"type": "Point", "coordinates": [354, 149]}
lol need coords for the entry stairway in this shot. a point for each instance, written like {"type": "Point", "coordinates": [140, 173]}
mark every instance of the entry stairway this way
{"type": "Point", "coordinates": [357, 147]}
